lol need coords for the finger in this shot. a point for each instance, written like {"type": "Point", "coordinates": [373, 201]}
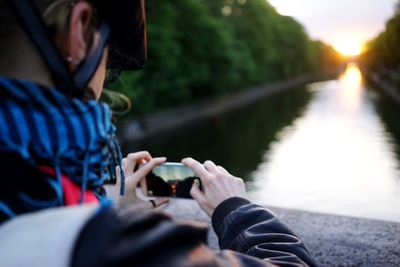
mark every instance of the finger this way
{"type": "Point", "coordinates": [223, 170]}
{"type": "Point", "coordinates": [152, 203]}
{"type": "Point", "coordinates": [140, 155]}
{"type": "Point", "coordinates": [135, 158]}
{"type": "Point", "coordinates": [198, 195]}
{"type": "Point", "coordinates": [146, 169]}
{"type": "Point", "coordinates": [143, 186]}
{"type": "Point", "coordinates": [117, 176]}
{"type": "Point", "coordinates": [128, 168]}
{"type": "Point", "coordinates": [197, 167]}
{"type": "Point", "coordinates": [210, 166]}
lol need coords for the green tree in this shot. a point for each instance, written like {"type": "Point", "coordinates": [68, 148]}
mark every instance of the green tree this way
{"type": "Point", "coordinates": [383, 53]}
{"type": "Point", "coordinates": [201, 49]}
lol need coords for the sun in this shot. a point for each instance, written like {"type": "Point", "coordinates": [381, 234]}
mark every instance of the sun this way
{"type": "Point", "coordinates": [348, 47]}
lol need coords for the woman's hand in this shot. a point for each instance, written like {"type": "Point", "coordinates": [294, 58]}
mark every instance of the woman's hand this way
{"type": "Point", "coordinates": [132, 178]}
{"type": "Point", "coordinates": [218, 185]}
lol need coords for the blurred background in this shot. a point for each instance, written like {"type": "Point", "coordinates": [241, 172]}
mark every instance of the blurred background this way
{"type": "Point", "coordinates": [329, 145]}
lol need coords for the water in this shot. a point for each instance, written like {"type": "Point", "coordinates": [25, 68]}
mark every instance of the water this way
{"type": "Point", "coordinates": [330, 147]}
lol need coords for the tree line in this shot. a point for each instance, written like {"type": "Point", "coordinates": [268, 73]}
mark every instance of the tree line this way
{"type": "Point", "coordinates": [382, 54]}
{"type": "Point", "coordinates": [206, 49]}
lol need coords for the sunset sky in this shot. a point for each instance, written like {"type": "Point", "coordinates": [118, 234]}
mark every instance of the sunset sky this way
{"type": "Point", "coordinates": [345, 24]}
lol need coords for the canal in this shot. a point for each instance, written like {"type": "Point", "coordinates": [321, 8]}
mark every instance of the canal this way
{"type": "Point", "coordinates": [330, 147]}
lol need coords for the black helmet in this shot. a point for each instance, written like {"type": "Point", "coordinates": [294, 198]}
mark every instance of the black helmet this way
{"type": "Point", "coordinates": [126, 19]}
{"type": "Point", "coordinates": [122, 27]}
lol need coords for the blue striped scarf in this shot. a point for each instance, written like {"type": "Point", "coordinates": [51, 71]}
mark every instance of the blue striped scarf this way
{"type": "Point", "coordinates": [74, 137]}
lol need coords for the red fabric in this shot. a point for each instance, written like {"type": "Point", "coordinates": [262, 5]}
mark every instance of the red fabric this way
{"type": "Point", "coordinates": [71, 191]}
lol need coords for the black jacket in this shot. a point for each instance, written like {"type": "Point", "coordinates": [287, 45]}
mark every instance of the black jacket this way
{"type": "Point", "coordinates": [249, 235]}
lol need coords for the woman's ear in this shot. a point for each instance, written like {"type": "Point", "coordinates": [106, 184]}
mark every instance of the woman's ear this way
{"type": "Point", "coordinates": [77, 43]}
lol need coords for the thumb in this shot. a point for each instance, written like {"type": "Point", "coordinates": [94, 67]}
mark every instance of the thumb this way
{"type": "Point", "coordinates": [118, 176]}
{"type": "Point", "coordinates": [160, 201]}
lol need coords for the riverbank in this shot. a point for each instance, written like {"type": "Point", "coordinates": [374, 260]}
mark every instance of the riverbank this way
{"type": "Point", "coordinates": [384, 85]}
{"type": "Point", "coordinates": [332, 240]}
{"type": "Point", "coordinates": [148, 126]}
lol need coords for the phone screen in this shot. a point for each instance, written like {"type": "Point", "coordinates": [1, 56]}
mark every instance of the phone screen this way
{"type": "Point", "coordinates": [172, 180]}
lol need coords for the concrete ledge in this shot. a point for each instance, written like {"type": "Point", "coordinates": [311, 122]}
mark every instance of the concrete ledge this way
{"type": "Point", "coordinates": [332, 240]}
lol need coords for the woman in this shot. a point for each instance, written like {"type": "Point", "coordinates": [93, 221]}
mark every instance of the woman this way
{"type": "Point", "coordinates": [57, 146]}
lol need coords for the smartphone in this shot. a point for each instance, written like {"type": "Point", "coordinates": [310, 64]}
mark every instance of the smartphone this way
{"type": "Point", "coordinates": [170, 179]}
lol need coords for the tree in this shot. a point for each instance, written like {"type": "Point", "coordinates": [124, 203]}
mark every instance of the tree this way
{"type": "Point", "coordinates": [201, 49]}
{"type": "Point", "coordinates": [383, 56]}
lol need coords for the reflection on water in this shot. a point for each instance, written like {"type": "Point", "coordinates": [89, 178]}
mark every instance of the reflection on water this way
{"type": "Point", "coordinates": [336, 158]}
{"type": "Point", "coordinates": [236, 140]}
{"type": "Point", "coordinates": [321, 148]}
{"type": "Point", "coordinates": [351, 83]}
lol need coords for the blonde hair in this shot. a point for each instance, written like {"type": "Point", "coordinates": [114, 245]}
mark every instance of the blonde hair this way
{"type": "Point", "coordinates": [56, 15]}
{"type": "Point", "coordinates": [57, 12]}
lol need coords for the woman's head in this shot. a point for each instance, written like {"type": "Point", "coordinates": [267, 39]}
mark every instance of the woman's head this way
{"type": "Point", "coordinates": [79, 30]}
{"type": "Point", "coordinates": [74, 29]}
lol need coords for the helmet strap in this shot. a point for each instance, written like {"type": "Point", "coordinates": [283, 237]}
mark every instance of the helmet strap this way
{"type": "Point", "coordinates": [33, 24]}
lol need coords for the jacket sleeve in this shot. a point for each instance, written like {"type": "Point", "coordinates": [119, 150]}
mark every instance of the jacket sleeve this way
{"type": "Point", "coordinates": [255, 231]}
{"type": "Point", "coordinates": [115, 238]}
